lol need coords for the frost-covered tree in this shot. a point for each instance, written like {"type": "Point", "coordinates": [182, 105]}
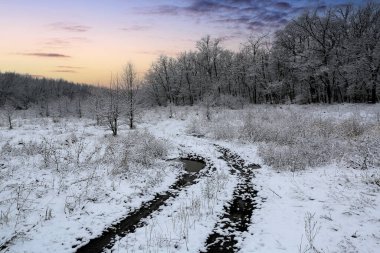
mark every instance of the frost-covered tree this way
{"type": "Point", "coordinates": [9, 109]}
{"type": "Point", "coordinates": [113, 110]}
{"type": "Point", "coordinates": [129, 86]}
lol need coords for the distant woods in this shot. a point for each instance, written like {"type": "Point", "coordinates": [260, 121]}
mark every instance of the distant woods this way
{"type": "Point", "coordinates": [47, 95]}
{"type": "Point", "coordinates": [329, 57]}
{"type": "Point", "coordinates": [320, 57]}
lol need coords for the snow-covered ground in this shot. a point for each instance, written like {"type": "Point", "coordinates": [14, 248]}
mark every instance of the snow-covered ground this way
{"type": "Point", "coordinates": [63, 182]}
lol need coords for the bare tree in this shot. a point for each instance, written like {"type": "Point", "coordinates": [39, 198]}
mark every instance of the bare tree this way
{"type": "Point", "coordinates": [97, 102]}
{"type": "Point", "coordinates": [113, 111]}
{"type": "Point", "coordinates": [9, 109]}
{"type": "Point", "coordinates": [129, 86]}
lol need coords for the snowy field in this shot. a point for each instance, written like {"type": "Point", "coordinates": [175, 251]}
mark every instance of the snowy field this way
{"type": "Point", "coordinates": [65, 180]}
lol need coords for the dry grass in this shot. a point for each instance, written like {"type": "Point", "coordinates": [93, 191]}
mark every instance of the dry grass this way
{"type": "Point", "coordinates": [293, 138]}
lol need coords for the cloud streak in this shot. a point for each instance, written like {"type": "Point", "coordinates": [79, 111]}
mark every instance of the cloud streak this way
{"type": "Point", "coordinates": [65, 71]}
{"type": "Point", "coordinates": [68, 67]}
{"type": "Point", "coordinates": [47, 55]}
{"type": "Point", "coordinates": [136, 28]}
{"type": "Point", "coordinates": [69, 27]}
{"type": "Point", "coordinates": [158, 52]}
{"type": "Point", "coordinates": [57, 43]}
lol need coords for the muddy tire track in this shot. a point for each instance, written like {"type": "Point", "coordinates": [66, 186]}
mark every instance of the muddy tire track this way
{"type": "Point", "coordinates": [134, 219]}
{"type": "Point", "coordinates": [238, 212]}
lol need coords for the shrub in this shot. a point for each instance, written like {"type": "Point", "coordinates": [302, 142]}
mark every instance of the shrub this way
{"type": "Point", "coordinates": [224, 131]}
{"type": "Point", "coordinates": [143, 148]}
{"type": "Point", "coordinates": [364, 152]}
{"type": "Point", "coordinates": [195, 126]}
{"type": "Point", "coordinates": [352, 127]}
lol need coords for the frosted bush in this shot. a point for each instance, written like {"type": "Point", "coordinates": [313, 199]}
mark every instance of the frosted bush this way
{"type": "Point", "coordinates": [29, 148]}
{"type": "Point", "coordinates": [144, 148]}
{"type": "Point", "coordinates": [352, 127]}
{"type": "Point", "coordinates": [283, 157]}
{"type": "Point", "coordinates": [301, 154]}
{"type": "Point", "coordinates": [224, 130]}
{"type": "Point", "coordinates": [196, 126]}
{"type": "Point", "coordinates": [364, 152]}
{"type": "Point", "coordinates": [271, 126]}
{"type": "Point", "coordinates": [6, 148]}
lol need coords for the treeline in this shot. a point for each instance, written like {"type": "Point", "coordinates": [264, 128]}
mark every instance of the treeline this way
{"type": "Point", "coordinates": [329, 57]}
{"type": "Point", "coordinates": [24, 91]}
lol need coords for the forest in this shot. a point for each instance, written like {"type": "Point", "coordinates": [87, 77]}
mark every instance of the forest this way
{"type": "Point", "coordinates": [330, 56]}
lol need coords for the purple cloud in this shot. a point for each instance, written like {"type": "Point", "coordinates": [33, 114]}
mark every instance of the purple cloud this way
{"type": "Point", "coordinates": [238, 14]}
{"type": "Point", "coordinates": [249, 15]}
{"type": "Point", "coordinates": [283, 5]}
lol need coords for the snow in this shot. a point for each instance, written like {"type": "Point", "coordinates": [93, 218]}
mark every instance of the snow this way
{"type": "Point", "coordinates": [82, 201]}
{"type": "Point", "coordinates": [341, 204]}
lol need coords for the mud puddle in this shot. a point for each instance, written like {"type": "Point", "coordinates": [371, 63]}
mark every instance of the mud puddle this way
{"type": "Point", "coordinates": [192, 165]}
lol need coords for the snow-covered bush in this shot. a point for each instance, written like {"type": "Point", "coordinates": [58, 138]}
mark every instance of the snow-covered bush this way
{"type": "Point", "coordinates": [300, 154]}
{"type": "Point", "coordinates": [352, 127]}
{"type": "Point", "coordinates": [143, 148]}
{"type": "Point", "coordinates": [364, 151]}
{"type": "Point", "coordinates": [373, 178]}
{"type": "Point", "coordinates": [223, 131]}
{"type": "Point", "coordinates": [282, 156]}
{"type": "Point", "coordinates": [22, 148]}
{"type": "Point", "coordinates": [197, 126]}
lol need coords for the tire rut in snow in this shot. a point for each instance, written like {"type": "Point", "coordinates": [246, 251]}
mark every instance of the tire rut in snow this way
{"type": "Point", "coordinates": [238, 212]}
{"type": "Point", "coordinates": [134, 219]}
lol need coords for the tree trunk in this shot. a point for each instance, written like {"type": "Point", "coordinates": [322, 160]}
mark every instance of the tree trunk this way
{"type": "Point", "coordinates": [373, 90]}
{"type": "Point", "coordinates": [114, 130]}
{"type": "Point", "coordinates": [10, 122]}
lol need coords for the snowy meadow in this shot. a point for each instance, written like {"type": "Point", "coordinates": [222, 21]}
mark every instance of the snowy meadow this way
{"type": "Point", "coordinates": [117, 135]}
{"type": "Point", "coordinates": [66, 180]}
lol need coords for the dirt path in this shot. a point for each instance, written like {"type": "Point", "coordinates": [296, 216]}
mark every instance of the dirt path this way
{"type": "Point", "coordinates": [237, 213]}
{"type": "Point", "coordinates": [134, 220]}
{"type": "Point", "coordinates": [235, 220]}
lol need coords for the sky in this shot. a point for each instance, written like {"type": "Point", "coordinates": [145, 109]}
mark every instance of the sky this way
{"type": "Point", "coordinates": [87, 41]}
